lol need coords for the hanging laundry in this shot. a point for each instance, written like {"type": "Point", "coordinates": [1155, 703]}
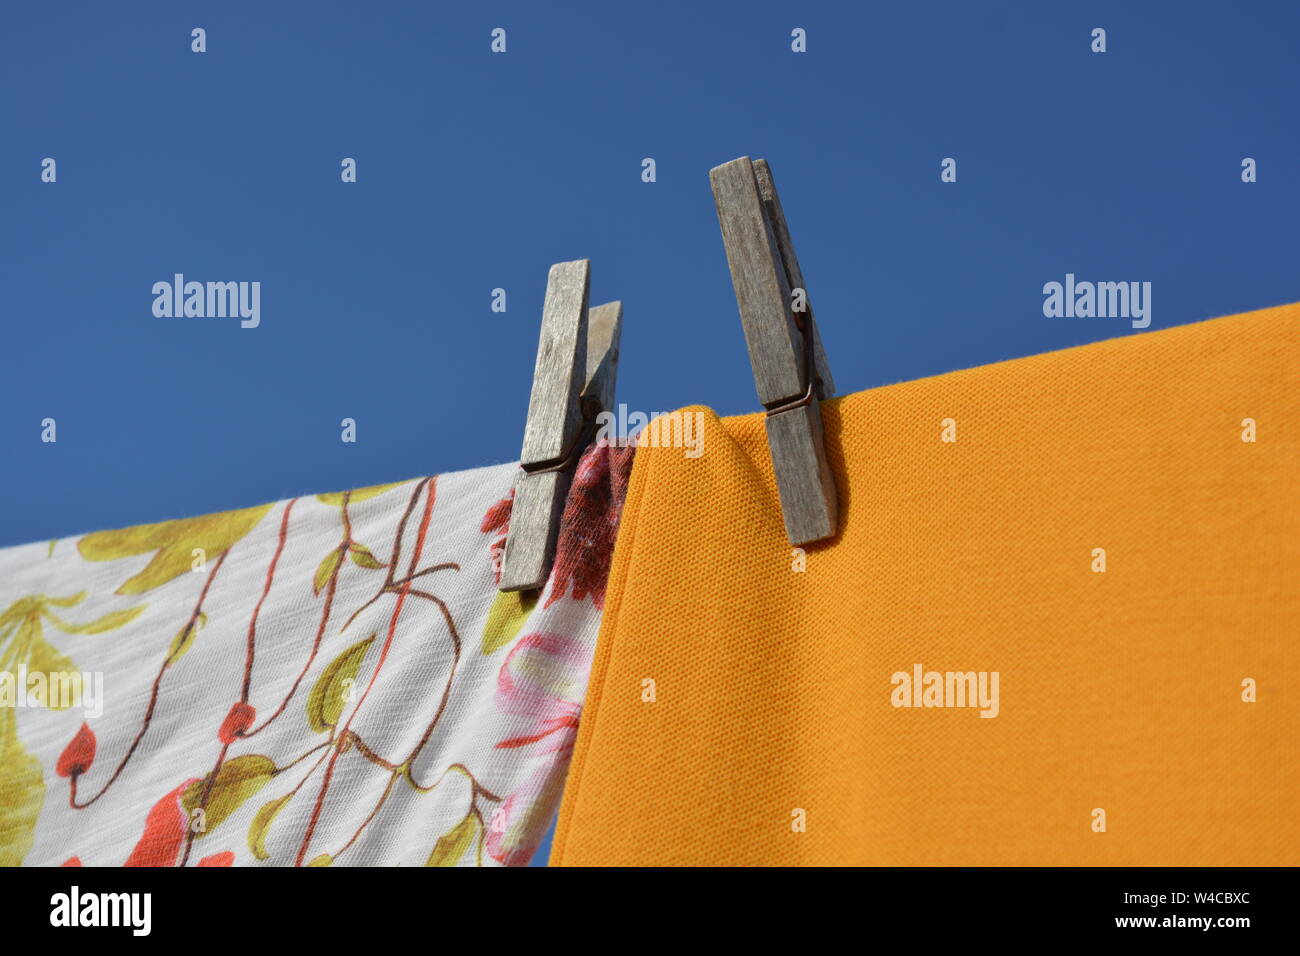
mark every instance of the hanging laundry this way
{"type": "Point", "coordinates": [328, 680]}
{"type": "Point", "coordinates": [1089, 562]}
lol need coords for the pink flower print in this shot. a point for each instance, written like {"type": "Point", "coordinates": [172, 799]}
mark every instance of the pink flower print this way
{"type": "Point", "coordinates": [540, 680]}
{"type": "Point", "coordinates": [519, 824]}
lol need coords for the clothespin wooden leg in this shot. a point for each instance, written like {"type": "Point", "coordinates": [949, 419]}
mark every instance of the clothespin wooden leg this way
{"type": "Point", "coordinates": [803, 476]}
{"type": "Point", "coordinates": [577, 365]}
{"type": "Point", "coordinates": [791, 371]}
{"type": "Point", "coordinates": [604, 330]}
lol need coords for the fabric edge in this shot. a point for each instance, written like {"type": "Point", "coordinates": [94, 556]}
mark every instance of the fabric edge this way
{"type": "Point", "coordinates": [624, 548]}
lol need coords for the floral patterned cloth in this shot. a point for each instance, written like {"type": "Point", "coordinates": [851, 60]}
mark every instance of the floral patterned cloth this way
{"type": "Point", "coordinates": [325, 680]}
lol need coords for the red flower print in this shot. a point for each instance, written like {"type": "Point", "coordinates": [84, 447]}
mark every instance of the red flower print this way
{"type": "Point", "coordinates": [237, 721]}
{"type": "Point", "coordinates": [164, 832]}
{"type": "Point", "coordinates": [566, 722]}
{"type": "Point", "coordinates": [589, 523]}
{"type": "Point", "coordinates": [78, 755]}
{"type": "Point", "coordinates": [497, 520]}
{"type": "Point", "coordinates": [164, 835]}
{"type": "Point", "coordinates": [498, 516]}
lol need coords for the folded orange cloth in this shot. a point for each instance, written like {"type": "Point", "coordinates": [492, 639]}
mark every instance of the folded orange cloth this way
{"type": "Point", "coordinates": [1105, 562]}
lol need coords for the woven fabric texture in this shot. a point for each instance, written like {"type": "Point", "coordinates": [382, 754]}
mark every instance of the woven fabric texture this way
{"type": "Point", "coordinates": [1112, 530]}
{"type": "Point", "coordinates": [327, 680]}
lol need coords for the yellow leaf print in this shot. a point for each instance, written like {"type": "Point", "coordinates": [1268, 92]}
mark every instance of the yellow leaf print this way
{"type": "Point", "coordinates": [360, 494]}
{"type": "Point", "coordinates": [22, 792]}
{"type": "Point", "coordinates": [325, 571]}
{"type": "Point", "coordinates": [451, 846]}
{"type": "Point", "coordinates": [238, 780]}
{"type": "Point", "coordinates": [506, 617]}
{"type": "Point", "coordinates": [327, 697]}
{"type": "Point", "coordinates": [23, 644]}
{"type": "Point", "coordinates": [174, 542]}
{"type": "Point", "coordinates": [184, 638]}
{"type": "Point", "coordinates": [262, 823]}
{"type": "Point", "coordinates": [54, 666]}
{"type": "Point", "coordinates": [109, 622]}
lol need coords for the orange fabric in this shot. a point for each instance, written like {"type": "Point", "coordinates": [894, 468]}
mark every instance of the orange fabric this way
{"type": "Point", "coordinates": [1120, 690]}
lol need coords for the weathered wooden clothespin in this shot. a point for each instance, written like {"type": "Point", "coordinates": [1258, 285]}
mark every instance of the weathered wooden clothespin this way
{"type": "Point", "coordinates": [573, 382]}
{"type": "Point", "coordinates": [785, 349]}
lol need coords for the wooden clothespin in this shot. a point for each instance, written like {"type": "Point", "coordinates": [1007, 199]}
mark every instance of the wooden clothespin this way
{"type": "Point", "coordinates": [573, 382]}
{"type": "Point", "coordinates": [785, 348]}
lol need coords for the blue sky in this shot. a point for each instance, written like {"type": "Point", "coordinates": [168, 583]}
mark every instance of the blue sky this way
{"type": "Point", "coordinates": [477, 171]}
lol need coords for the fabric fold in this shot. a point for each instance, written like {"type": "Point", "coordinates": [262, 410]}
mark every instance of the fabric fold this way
{"type": "Point", "coordinates": [327, 680]}
{"type": "Point", "coordinates": [1056, 626]}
